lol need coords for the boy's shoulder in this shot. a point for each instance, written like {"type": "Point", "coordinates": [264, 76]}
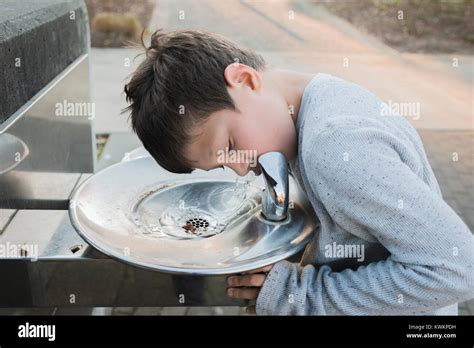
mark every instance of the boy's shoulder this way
{"type": "Point", "coordinates": [335, 108]}
{"type": "Point", "coordinates": [325, 87]}
{"type": "Point", "coordinates": [331, 102]}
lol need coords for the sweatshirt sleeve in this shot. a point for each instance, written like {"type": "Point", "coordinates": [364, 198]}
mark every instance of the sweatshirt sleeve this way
{"type": "Point", "coordinates": [360, 177]}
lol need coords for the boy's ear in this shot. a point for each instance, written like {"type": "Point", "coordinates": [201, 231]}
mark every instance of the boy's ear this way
{"type": "Point", "coordinates": [241, 75]}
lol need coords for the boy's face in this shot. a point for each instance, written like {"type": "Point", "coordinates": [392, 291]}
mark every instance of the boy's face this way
{"type": "Point", "coordinates": [235, 139]}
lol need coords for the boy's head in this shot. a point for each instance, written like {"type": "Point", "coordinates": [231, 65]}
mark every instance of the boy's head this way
{"type": "Point", "coordinates": [197, 96]}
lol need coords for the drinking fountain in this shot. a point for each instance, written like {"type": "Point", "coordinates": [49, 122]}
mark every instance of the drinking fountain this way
{"type": "Point", "coordinates": [203, 223]}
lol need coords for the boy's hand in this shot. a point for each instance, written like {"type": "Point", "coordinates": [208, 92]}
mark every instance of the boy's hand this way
{"type": "Point", "coordinates": [247, 285]}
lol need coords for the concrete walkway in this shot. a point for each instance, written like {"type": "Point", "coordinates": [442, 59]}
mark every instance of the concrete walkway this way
{"type": "Point", "coordinates": [302, 36]}
{"type": "Point", "coordinates": [307, 39]}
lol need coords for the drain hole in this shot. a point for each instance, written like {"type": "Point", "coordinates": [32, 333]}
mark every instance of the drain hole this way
{"type": "Point", "coordinates": [194, 224]}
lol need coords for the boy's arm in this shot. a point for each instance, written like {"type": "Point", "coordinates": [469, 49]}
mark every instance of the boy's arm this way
{"type": "Point", "coordinates": [432, 251]}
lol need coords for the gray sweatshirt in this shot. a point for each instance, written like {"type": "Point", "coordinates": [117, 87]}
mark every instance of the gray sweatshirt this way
{"type": "Point", "coordinates": [388, 243]}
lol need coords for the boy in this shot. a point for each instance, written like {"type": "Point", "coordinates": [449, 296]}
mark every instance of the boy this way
{"type": "Point", "coordinates": [367, 176]}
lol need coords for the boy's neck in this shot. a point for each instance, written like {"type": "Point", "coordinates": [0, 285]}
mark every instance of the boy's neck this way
{"type": "Point", "coordinates": [290, 85]}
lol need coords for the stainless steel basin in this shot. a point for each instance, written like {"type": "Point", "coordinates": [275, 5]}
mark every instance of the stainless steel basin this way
{"type": "Point", "coordinates": [200, 223]}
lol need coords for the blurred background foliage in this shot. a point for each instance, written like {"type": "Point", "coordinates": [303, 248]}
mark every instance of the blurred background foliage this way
{"type": "Point", "coordinates": [429, 26]}
{"type": "Point", "coordinates": [118, 23]}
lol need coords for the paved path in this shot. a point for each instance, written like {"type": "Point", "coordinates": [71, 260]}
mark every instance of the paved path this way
{"type": "Point", "coordinates": [313, 41]}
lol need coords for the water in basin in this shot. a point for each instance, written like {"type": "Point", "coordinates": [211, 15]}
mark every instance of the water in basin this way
{"type": "Point", "coordinates": [199, 210]}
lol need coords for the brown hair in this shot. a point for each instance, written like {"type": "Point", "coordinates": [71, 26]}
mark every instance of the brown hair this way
{"type": "Point", "coordinates": [177, 86]}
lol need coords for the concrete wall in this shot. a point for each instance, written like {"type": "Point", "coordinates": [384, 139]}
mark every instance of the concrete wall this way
{"type": "Point", "coordinates": [38, 39]}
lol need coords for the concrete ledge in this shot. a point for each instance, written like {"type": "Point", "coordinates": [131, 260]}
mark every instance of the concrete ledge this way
{"type": "Point", "coordinates": [38, 39]}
